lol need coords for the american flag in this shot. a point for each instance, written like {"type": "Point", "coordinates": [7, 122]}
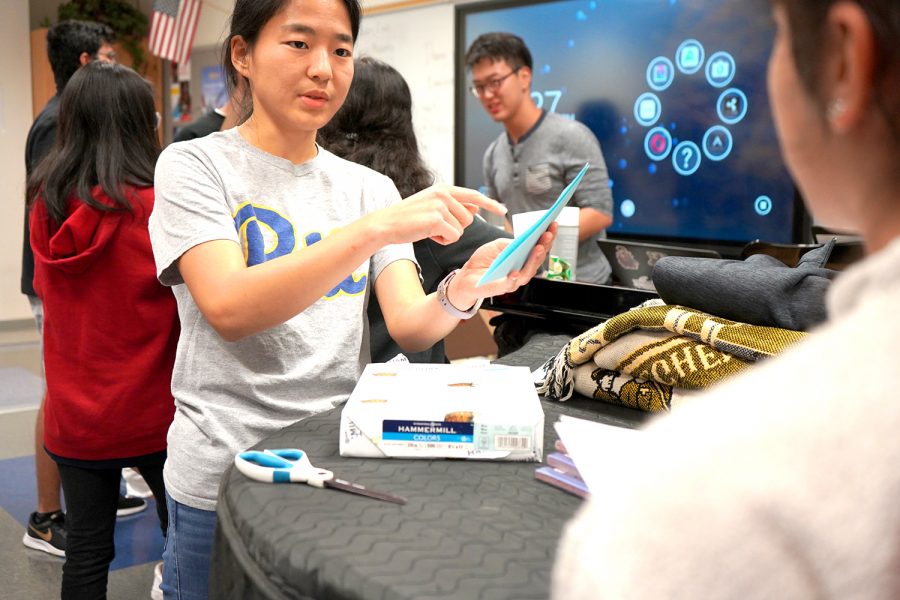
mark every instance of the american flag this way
{"type": "Point", "coordinates": [172, 28]}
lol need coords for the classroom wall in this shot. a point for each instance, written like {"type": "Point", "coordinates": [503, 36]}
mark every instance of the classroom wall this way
{"type": "Point", "coordinates": [213, 24]}
{"type": "Point", "coordinates": [419, 43]}
{"type": "Point", "coordinates": [15, 119]}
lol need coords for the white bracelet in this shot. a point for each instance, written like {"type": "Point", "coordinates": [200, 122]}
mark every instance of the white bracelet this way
{"type": "Point", "coordinates": [448, 306]}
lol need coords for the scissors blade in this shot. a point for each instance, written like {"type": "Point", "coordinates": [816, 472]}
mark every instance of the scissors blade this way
{"type": "Point", "coordinates": [356, 488]}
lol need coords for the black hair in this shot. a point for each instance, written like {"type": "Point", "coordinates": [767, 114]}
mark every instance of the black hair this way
{"type": "Point", "coordinates": [374, 127]}
{"type": "Point", "coordinates": [807, 19]}
{"type": "Point", "coordinates": [106, 136]}
{"type": "Point", "coordinates": [499, 46]}
{"type": "Point", "coordinates": [247, 20]}
{"type": "Point", "coordinates": [67, 40]}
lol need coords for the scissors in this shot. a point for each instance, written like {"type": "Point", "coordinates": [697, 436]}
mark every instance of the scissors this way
{"type": "Point", "coordinates": [289, 465]}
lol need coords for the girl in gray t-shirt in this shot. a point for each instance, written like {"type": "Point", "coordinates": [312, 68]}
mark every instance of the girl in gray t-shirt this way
{"type": "Point", "coordinates": [270, 244]}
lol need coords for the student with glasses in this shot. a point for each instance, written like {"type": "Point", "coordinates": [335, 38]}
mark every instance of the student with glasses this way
{"type": "Point", "coordinates": [539, 152]}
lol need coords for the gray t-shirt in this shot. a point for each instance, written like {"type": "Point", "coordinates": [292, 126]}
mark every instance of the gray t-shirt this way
{"type": "Point", "coordinates": [230, 395]}
{"type": "Point", "coordinates": [530, 175]}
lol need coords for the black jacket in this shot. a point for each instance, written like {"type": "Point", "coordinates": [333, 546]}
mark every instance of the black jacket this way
{"type": "Point", "coordinates": [202, 126]}
{"type": "Point", "coordinates": [37, 146]}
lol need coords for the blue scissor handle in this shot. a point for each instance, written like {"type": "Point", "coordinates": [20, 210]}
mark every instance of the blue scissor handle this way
{"type": "Point", "coordinates": [281, 466]}
{"type": "Point", "coordinates": [266, 460]}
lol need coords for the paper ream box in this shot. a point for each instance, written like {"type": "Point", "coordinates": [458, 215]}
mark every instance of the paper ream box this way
{"type": "Point", "coordinates": [488, 412]}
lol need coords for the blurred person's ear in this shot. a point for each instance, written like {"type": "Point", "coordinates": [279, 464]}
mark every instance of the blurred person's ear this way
{"type": "Point", "coordinates": [849, 66]}
{"type": "Point", "coordinates": [524, 75]}
{"type": "Point", "coordinates": [84, 58]}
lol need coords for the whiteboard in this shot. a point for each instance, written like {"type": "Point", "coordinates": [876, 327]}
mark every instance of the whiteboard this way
{"type": "Point", "coordinates": [419, 43]}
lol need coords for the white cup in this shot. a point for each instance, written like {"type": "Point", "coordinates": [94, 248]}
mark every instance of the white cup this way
{"type": "Point", "coordinates": [563, 257]}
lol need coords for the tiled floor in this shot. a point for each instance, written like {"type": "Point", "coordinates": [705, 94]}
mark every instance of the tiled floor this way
{"type": "Point", "coordinates": [29, 574]}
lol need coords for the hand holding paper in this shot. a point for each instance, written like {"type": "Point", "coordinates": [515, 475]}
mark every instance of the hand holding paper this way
{"type": "Point", "coordinates": [515, 255]}
{"type": "Point", "coordinates": [503, 266]}
{"type": "Point", "coordinates": [465, 288]}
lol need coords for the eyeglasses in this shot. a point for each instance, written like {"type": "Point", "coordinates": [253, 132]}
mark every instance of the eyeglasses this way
{"type": "Point", "coordinates": [479, 89]}
{"type": "Point", "coordinates": [109, 56]}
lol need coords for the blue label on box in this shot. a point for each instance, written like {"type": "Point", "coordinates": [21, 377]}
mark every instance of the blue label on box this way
{"type": "Point", "coordinates": [428, 431]}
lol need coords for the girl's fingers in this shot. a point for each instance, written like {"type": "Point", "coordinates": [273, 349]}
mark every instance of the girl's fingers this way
{"type": "Point", "coordinates": [445, 233]}
{"type": "Point", "coordinates": [475, 200]}
{"type": "Point", "coordinates": [462, 213]}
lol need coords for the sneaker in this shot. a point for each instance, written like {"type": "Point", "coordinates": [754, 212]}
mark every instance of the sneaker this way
{"type": "Point", "coordinates": [130, 506]}
{"type": "Point", "coordinates": [135, 486]}
{"type": "Point", "coordinates": [46, 532]}
{"type": "Point", "coordinates": [156, 592]}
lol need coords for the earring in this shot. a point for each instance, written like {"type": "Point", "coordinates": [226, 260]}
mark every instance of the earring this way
{"type": "Point", "coordinates": [837, 108]}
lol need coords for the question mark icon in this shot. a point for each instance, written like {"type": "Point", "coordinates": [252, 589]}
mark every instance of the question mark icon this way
{"type": "Point", "coordinates": [686, 158]}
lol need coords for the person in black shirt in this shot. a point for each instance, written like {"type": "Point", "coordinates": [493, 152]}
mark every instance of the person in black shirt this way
{"type": "Point", "coordinates": [204, 125]}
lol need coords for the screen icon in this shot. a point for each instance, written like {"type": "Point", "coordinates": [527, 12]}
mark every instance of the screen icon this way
{"type": "Point", "coordinates": [686, 158]}
{"type": "Point", "coordinates": [717, 143]}
{"type": "Point", "coordinates": [689, 56]}
{"type": "Point", "coordinates": [647, 109]}
{"type": "Point", "coordinates": [720, 69]}
{"type": "Point", "coordinates": [762, 205]}
{"type": "Point", "coordinates": [657, 143]}
{"type": "Point", "coordinates": [660, 73]}
{"type": "Point", "coordinates": [732, 106]}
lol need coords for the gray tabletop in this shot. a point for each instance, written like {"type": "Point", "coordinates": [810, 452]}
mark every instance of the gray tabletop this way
{"type": "Point", "coordinates": [471, 529]}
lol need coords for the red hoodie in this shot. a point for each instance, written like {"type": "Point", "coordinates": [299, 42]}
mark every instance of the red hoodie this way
{"type": "Point", "coordinates": [110, 331]}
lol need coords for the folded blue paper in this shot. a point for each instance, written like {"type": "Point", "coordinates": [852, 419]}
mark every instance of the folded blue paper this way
{"type": "Point", "coordinates": [513, 257]}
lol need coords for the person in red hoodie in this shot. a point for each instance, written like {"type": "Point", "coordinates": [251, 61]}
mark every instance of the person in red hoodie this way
{"type": "Point", "coordinates": [110, 329]}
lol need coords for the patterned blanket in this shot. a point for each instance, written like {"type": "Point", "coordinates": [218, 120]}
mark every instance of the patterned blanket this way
{"type": "Point", "coordinates": [647, 356]}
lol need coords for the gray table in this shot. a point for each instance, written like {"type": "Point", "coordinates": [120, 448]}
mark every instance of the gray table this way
{"type": "Point", "coordinates": [471, 529]}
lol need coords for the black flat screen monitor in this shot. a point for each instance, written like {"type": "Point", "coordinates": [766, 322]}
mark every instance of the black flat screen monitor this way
{"type": "Point", "coordinates": [674, 90]}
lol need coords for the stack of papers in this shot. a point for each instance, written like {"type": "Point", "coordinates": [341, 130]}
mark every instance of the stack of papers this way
{"type": "Point", "coordinates": [404, 410]}
{"type": "Point", "coordinates": [588, 453]}
{"type": "Point", "coordinates": [561, 472]}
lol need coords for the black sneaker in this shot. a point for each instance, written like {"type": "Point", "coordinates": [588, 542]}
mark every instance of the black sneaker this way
{"type": "Point", "coordinates": [130, 506]}
{"type": "Point", "coordinates": [46, 532]}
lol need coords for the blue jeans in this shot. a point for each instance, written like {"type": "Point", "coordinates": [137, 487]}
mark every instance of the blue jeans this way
{"type": "Point", "coordinates": [188, 551]}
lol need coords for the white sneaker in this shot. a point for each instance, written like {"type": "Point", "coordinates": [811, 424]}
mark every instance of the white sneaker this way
{"type": "Point", "coordinates": [135, 486]}
{"type": "Point", "coordinates": [156, 592]}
